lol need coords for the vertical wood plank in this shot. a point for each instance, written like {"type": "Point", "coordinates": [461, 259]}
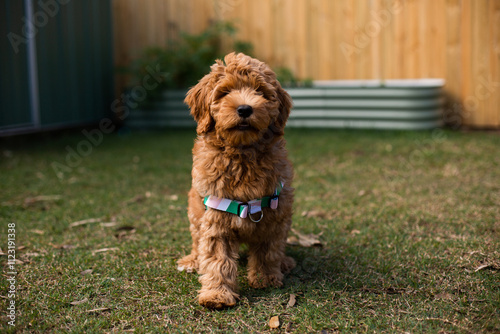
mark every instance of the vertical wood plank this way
{"type": "Point", "coordinates": [413, 46]}
{"type": "Point", "coordinates": [338, 42]}
{"type": "Point", "coordinates": [466, 29]}
{"type": "Point", "coordinates": [493, 116]}
{"type": "Point", "coordinates": [476, 98]}
{"type": "Point", "coordinates": [390, 46]}
{"type": "Point", "coordinates": [288, 28]}
{"type": "Point", "coordinates": [399, 42]}
{"type": "Point", "coordinates": [438, 30]}
{"type": "Point", "coordinates": [348, 11]}
{"type": "Point", "coordinates": [313, 37]}
{"type": "Point", "coordinates": [364, 37]}
{"type": "Point", "coordinates": [424, 30]}
{"type": "Point", "coordinates": [299, 18]}
{"type": "Point", "coordinates": [324, 40]}
{"type": "Point", "coordinates": [453, 70]}
{"type": "Point", "coordinates": [376, 65]}
{"type": "Point", "coordinates": [385, 53]}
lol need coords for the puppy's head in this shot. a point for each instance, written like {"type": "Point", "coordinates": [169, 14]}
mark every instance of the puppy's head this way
{"type": "Point", "coordinates": [240, 101]}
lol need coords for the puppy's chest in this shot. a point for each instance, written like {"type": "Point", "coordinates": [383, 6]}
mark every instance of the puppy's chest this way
{"type": "Point", "coordinates": [238, 179]}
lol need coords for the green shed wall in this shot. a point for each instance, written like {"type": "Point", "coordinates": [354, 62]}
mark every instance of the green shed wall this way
{"type": "Point", "coordinates": [14, 93]}
{"type": "Point", "coordinates": [74, 66]}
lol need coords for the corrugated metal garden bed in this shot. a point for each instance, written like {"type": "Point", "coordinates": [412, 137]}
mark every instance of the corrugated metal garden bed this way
{"type": "Point", "coordinates": [373, 104]}
{"type": "Point", "coordinates": [361, 104]}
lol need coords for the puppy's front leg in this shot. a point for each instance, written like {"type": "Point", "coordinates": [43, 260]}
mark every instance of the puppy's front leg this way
{"type": "Point", "coordinates": [218, 255]}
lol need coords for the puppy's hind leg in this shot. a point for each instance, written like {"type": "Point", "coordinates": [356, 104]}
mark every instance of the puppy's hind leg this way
{"type": "Point", "coordinates": [287, 264]}
{"type": "Point", "coordinates": [267, 263]}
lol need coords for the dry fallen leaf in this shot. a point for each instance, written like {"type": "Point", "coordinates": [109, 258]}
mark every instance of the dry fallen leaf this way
{"type": "Point", "coordinates": [274, 322]}
{"type": "Point", "coordinates": [79, 302]}
{"type": "Point", "coordinates": [86, 272]}
{"type": "Point", "coordinates": [124, 231]}
{"type": "Point", "coordinates": [136, 199]}
{"type": "Point", "coordinates": [85, 221]}
{"type": "Point", "coordinates": [487, 266]}
{"type": "Point", "coordinates": [304, 240]}
{"type": "Point", "coordinates": [110, 224]}
{"type": "Point", "coordinates": [34, 254]}
{"type": "Point", "coordinates": [102, 250]}
{"type": "Point", "coordinates": [292, 300]}
{"type": "Point", "coordinates": [101, 309]}
{"type": "Point", "coordinates": [314, 214]}
{"type": "Point", "coordinates": [484, 266]}
{"type": "Point", "coordinates": [443, 296]}
{"type": "Point", "coordinates": [139, 198]}
{"type": "Point", "coordinates": [126, 228]}
{"type": "Point", "coordinates": [33, 200]}
{"type": "Point", "coordinates": [39, 232]}
{"type": "Point", "coordinates": [320, 214]}
{"type": "Point", "coordinates": [61, 246]}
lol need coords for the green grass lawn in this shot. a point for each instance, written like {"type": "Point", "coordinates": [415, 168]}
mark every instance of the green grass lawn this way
{"type": "Point", "coordinates": [409, 224]}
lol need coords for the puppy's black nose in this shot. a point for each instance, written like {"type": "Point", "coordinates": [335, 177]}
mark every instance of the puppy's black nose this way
{"type": "Point", "coordinates": [244, 110]}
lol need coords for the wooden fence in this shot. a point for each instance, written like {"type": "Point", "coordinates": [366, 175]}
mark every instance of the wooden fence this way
{"type": "Point", "coordinates": [458, 40]}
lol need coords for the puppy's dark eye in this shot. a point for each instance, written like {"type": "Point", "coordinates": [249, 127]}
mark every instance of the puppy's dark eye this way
{"type": "Point", "coordinates": [221, 94]}
{"type": "Point", "coordinates": [261, 93]}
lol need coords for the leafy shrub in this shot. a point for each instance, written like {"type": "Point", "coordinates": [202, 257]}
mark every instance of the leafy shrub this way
{"type": "Point", "coordinates": [183, 62]}
{"type": "Point", "coordinates": [287, 78]}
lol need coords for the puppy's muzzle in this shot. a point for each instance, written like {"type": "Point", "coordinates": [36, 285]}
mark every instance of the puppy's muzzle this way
{"type": "Point", "coordinates": [244, 111]}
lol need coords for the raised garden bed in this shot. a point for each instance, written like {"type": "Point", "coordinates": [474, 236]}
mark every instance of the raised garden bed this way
{"type": "Point", "coordinates": [168, 111]}
{"type": "Point", "coordinates": [373, 104]}
{"type": "Point", "coordinates": [361, 104]}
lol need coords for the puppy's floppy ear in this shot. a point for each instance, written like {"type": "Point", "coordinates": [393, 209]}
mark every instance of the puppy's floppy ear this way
{"type": "Point", "coordinates": [198, 99]}
{"type": "Point", "coordinates": [285, 104]}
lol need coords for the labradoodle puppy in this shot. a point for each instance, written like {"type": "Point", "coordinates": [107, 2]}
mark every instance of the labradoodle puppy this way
{"type": "Point", "coordinates": [241, 189]}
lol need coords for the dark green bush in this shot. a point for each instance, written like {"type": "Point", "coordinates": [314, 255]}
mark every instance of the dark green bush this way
{"type": "Point", "coordinates": [183, 62]}
{"type": "Point", "coordinates": [288, 79]}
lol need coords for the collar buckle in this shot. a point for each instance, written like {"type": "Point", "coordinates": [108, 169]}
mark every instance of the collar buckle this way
{"type": "Point", "coordinates": [273, 202]}
{"type": "Point", "coordinates": [243, 210]}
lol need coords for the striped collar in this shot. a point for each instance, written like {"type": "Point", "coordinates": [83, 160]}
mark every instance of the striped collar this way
{"type": "Point", "coordinates": [245, 209]}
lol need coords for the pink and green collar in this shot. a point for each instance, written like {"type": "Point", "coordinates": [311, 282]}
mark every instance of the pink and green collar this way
{"type": "Point", "coordinates": [245, 209]}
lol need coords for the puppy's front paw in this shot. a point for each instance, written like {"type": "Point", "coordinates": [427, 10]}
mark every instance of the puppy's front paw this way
{"type": "Point", "coordinates": [188, 263]}
{"type": "Point", "coordinates": [217, 299]}
{"type": "Point", "coordinates": [260, 281]}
